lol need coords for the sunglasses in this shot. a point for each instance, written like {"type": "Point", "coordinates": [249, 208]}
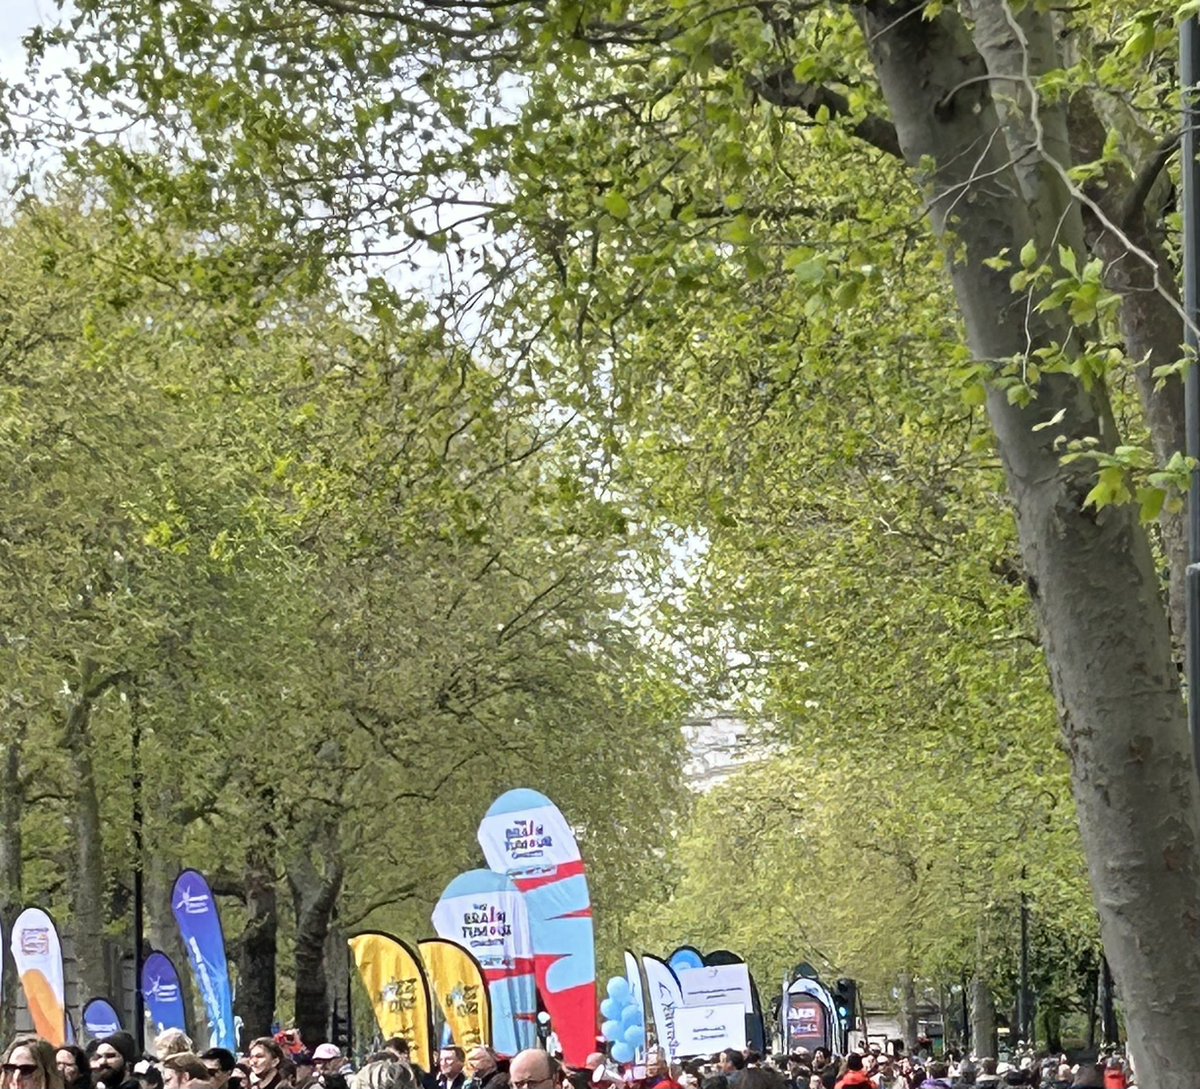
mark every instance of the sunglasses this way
{"type": "Point", "coordinates": [24, 1069]}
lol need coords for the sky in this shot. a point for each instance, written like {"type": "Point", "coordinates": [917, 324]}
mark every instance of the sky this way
{"type": "Point", "coordinates": [16, 17]}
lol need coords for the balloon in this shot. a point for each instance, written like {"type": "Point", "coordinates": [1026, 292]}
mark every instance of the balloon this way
{"type": "Point", "coordinates": [631, 1015]}
{"type": "Point", "coordinates": [635, 1036]}
{"type": "Point", "coordinates": [611, 1030]}
{"type": "Point", "coordinates": [622, 1052]}
{"type": "Point", "coordinates": [610, 1009]}
{"type": "Point", "coordinates": [618, 988]}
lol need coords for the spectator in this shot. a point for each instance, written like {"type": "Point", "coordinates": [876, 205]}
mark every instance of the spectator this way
{"type": "Point", "coordinates": [112, 1062]}
{"type": "Point", "coordinates": [181, 1068]}
{"type": "Point", "coordinates": [266, 1064]}
{"type": "Point", "coordinates": [450, 1068]}
{"type": "Point", "coordinates": [384, 1074]}
{"type": "Point", "coordinates": [30, 1063]}
{"type": "Point", "coordinates": [171, 1041]}
{"type": "Point", "coordinates": [486, 1071]}
{"type": "Point", "coordinates": [73, 1066]}
{"type": "Point", "coordinates": [220, 1064]}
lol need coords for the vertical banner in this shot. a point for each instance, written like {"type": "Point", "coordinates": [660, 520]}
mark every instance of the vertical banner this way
{"type": "Point", "coordinates": [37, 953]}
{"type": "Point", "coordinates": [808, 1015]}
{"type": "Point", "coordinates": [633, 975]}
{"type": "Point", "coordinates": [162, 994]}
{"type": "Point", "coordinates": [665, 999]}
{"type": "Point", "coordinates": [100, 1018]}
{"type": "Point", "coordinates": [524, 835]}
{"type": "Point", "coordinates": [456, 980]}
{"type": "Point", "coordinates": [484, 912]}
{"type": "Point", "coordinates": [199, 925]}
{"type": "Point", "coordinates": [756, 1029]}
{"type": "Point", "coordinates": [392, 976]}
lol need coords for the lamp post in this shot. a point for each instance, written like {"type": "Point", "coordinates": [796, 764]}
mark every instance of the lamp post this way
{"type": "Point", "coordinates": [1189, 66]}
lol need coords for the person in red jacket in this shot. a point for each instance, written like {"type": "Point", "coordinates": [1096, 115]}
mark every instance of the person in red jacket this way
{"type": "Point", "coordinates": [658, 1073]}
{"type": "Point", "coordinates": [854, 1073]}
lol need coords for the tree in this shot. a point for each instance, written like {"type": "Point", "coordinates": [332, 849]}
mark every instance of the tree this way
{"type": "Point", "coordinates": [349, 588]}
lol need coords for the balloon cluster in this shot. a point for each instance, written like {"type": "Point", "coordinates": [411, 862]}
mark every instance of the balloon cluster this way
{"type": "Point", "coordinates": [624, 1021]}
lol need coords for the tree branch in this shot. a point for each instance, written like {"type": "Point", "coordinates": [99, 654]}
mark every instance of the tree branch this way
{"type": "Point", "coordinates": [782, 89]}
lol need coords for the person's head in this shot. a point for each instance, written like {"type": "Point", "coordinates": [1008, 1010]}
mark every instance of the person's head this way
{"type": "Point", "coordinates": [532, 1069]}
{"type": "Point", "coordinates": [732, 1060]}
{"type": "Point", "coordinates": [967, 1072]}
{"type": "Point", "coordinates": [820, 1058]}
{"type": "Point", "coordinates": [854, 1061]}
{"type": "Point", "coordinates": [219, 1062]}
{"type": "Point", "coordinates": [112, 1061]}
{"type": "Point", "coordinates": [149, 1076]}
{"type": "Point", "coordinates": [29, 1063]}
{"type": "Point", "coordinates": [1088, 1077]}
{"type": "Point", "coordinates": [181, 1069]}
{"type": "Point", "coordinates": [450, 1062]}
{"type": "Point", "coordinates": [987, 1066]}
{"type": "Point", "coordinates": [752, 1057]}
{"type": "Point", "coordinates": [326, 1059]}
{"type": "Point", "coordinates": [73, 1066]}
{"type": "Point", "coordinates": [398, 1046]}
{"type": "Point", "coordinates": [482, 1061]}
{"type": "Point", "coordinates": [938, 1069]}
{"type": "Point", "coordinates": [171, 1041]}
{"type": "Point", "coordinates": [387, 1073]}
{"type": "Point", "coordinates": [656, 1064]}
{"type": "Point", "coordinates": [266, 1058]}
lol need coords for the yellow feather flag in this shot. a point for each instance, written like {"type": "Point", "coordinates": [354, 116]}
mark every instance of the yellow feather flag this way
{"type": "Point", "coordinates": [399, 993]}
{"type": "Point", "coordinates": [458, 984]}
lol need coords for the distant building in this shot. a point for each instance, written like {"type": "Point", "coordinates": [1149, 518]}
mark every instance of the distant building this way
{"type": "Point", "coordinates": [718, 745]}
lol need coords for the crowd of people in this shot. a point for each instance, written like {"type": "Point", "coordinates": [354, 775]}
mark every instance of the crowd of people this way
{"type": "Point", "coordinates": [113, 1062]}
{"type": "Point", "coordinates": [874, 1068]}
{"type": "Point", "coordinates": [281, 1062]}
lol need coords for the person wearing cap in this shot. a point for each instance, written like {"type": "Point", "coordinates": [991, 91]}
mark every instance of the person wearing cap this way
{"type": "Point", "coordinates": [112, 1062]}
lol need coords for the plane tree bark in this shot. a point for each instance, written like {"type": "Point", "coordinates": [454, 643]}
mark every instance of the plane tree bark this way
{"type": "Point", "coordinates": [1090, 573]}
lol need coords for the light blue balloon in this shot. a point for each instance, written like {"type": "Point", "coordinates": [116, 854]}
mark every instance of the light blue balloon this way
{"type": "Point", "coordinates": [635, 1036]}
{"type": "Point", "coordinates": [631, 1015]}
{"type": "Point", "coordinates": [609, 1009]}
{"type": "Point", "coordinates": [622, 1052]}
{"type": "Point", "coordinates": [611, 1030]}
{"type": "Point", "coordinates": [618, 988]}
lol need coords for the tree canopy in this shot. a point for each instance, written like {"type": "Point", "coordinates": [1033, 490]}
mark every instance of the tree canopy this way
{"type": "Point", "coordinates": [828, 353]}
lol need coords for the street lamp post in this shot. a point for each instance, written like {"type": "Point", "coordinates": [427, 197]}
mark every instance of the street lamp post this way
{"type": "Point", "coordinates": [1189, 66]}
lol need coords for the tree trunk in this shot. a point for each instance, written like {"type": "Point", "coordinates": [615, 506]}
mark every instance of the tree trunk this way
{"type": "Point", "coordinates": [983, 1018]}
{"type": "Point", "coordinates": [256, 997]}
{"type": "Point", "coordinates": [314, 895]}
{"type": "Point", "coordinates": [1091, 574]}
{"type": "Point", "coordinates": [87, 878]}
{"type": "Point", "coordinates": [12, 801]}
{"type": "Point", "coordinates": [908, 1012]}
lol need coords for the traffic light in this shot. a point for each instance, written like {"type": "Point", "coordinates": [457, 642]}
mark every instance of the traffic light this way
{"type": "Point", "coordinates": [845, 1002]}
